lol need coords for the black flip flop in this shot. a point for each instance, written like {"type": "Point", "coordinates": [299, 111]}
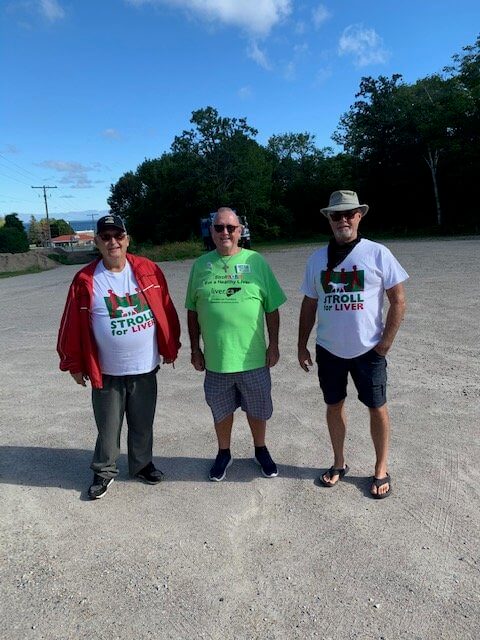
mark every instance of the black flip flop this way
{"type": "Point", "coordinates": [334, 472]}
{"type": "Point", "coordinates": [379, 482]}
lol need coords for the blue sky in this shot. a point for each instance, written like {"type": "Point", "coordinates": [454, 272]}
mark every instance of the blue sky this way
{"type": "Point", "coordinates": [90, 88]}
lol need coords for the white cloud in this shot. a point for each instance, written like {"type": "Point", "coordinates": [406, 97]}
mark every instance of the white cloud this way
{"type": "Point", "coordinates": [244, 93]}
{"type": "Point", "coordinates": [260, 57]}
{"type": "Point", "coordinates": [320, 15]}
{"type": "Point", "coordinates": [365, 45]}
{"type": "Point", "coordinates": [111, 134]}
{"type": "Point", "coordinates": [51, 10]}
{"type": "Point", "coordinates": [322, 76]}
{"type": "Point", "coordinates": [10, 148]}
{"type": "Point", "coordinates": [300, 28]}
{"type": "Point", "coordinates": [290, 71]}
{"type": "Point", "coordinates": [74, 174]}
{"type": "Point", "coordinates": [28, 10]}
{"type": "Point", "coordinates": [255, 16]}
{"type": "Point", "coordinates": [299, 52]}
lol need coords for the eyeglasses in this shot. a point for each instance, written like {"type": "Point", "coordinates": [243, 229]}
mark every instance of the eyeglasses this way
{"type": "Point", "coordinates": [229, 227]}
{"type": "Point", "coordinates": [106, 237]}
{"type": "Point", "coordinates": [348, 215]}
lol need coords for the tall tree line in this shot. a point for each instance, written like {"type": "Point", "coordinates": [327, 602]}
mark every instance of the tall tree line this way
{"type": "Point", "coordinates": [410, 150]}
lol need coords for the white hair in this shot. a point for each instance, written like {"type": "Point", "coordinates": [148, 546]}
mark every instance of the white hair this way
{"type": "Point", "coordinates": [225, 210]}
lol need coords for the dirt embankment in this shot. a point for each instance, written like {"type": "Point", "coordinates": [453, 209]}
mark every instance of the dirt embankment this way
{"type": "Point", "coordinates": [22, 261]}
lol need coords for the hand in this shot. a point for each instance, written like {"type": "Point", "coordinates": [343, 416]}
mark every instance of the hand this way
{"type": "Point", "coordinates": [381, 349]}
{"type": "Point", "coordinates": [273, 355]}
{"type": "Point", "coordinates": [168, 360]}
{"type": "Point", "coordinates": [198, 360]}
{"type": "Point", "coordinates": [304, 358]}
{"type": "Point", "coordinates": [80, 378]}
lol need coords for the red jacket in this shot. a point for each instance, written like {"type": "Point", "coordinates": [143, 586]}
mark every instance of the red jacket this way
{"type": "Point", "coordinates": [76, 344]}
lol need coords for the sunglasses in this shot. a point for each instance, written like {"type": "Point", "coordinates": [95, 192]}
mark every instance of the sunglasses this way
{"type": "Point", "coordinates": [229, 227]}
{"type": "Point", "coordinates": [106, 237]}
{"type": "Point", "coordinates": [348, 215]}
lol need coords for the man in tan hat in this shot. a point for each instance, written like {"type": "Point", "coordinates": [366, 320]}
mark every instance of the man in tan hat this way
{"type": "Point", "coordinates": [344, 285]}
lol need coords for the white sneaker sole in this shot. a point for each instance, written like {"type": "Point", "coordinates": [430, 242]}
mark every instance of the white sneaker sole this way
{"type": "Point", "coordinates": [102, 494]}
{"type": "Point", "coordinates": [212, 479]}
{"type": "Point", "coordinates": [273, 475]}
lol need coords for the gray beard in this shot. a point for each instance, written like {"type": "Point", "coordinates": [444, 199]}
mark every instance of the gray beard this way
{"type": "Point", "coordinates": [344, 235]}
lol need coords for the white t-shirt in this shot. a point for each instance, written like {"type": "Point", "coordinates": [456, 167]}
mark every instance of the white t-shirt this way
{"type": "Point", "coordinates": [350, 298]}
{"type": "Point", "coordinates": [123, 324]}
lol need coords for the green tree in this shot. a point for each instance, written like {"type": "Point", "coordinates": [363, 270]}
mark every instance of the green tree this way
{"type": "Point", "coordinates": [34, 233]}
{"type": "Point", "coordinates": [11, 220]}
{"type": "Point", "coordinates": [13, 240]}
{"type": "Point", "coordinates": [392, 129]}
{"type": "Point", "coordinates": [215, 163]}
{"type": "Point", "coordinates": [160, 200]}
{"type": "Point", "coordinates": [419, 138]}
{"type": "Point", "coordinates": [60, 228]}
{"type": "Point", "coordinates": [232, 168]}
{"type": "Point", "coordinates": [303, 177]}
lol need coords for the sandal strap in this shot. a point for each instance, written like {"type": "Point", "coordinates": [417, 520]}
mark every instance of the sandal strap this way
{"type": "Point", "coordinates": [379, 482]}
{"type": "Point", "coordinates": [333, 471]}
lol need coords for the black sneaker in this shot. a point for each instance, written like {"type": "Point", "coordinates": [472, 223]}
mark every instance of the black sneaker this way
{"type": "Point", "coordinates": [264, 459]}
{"type": "Point", "coordinates": [149, 474]}
{"type": "Point", "coordinates": [99, 487]}
{"type": "Point", "coordinates": [220, 466]}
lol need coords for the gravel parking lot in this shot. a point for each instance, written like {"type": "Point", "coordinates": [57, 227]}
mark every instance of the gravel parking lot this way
{"type": "Point", "coordinates": [248, 558]}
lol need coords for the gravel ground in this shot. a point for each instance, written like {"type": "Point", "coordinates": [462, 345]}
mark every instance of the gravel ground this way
{"type": "Point", "coordinates": [248, 558]}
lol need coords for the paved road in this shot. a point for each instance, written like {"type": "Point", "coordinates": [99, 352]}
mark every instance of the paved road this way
{"type": "Point", "coordinates": [249, 558]}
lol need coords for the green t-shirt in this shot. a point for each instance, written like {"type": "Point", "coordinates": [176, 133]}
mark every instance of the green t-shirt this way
{"type": "Point", "coordinates": [231, 296]}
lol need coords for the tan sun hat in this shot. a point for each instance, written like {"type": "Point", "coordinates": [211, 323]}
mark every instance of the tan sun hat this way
{"type": "Point", "coordinates": [344, 201]}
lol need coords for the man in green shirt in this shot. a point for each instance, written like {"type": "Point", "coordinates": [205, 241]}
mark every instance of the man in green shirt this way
{"type": "Point", "coordinates": [230, 292]}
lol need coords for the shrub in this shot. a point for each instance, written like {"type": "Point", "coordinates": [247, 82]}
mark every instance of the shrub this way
{"type": "Point", "coordinates": [13, 240]}
{"type": "Point", "coordinates": [169, 251]}
{"type": "Point", "coordinates": [58, 257]}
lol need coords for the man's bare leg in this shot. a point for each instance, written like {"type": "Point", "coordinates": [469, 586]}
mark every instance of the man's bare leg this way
{"type": "Point", "coordinates": [258, 429]}
{"type": "Point", "coordinates": [224, 432]}
{"type": "Point", "coordinates": [380, 430]}
{"type": "Point", "coordinates": [337, 428]}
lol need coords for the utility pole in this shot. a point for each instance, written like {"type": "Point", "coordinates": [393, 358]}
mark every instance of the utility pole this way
{"type": "Point", "coordinates": [49, 236]}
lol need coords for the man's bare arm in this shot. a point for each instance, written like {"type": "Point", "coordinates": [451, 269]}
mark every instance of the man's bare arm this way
{"type": "Point", "coordinates": [273, 326]}
{"type": "Point", "coordinates": [308, 312]}
{"type": "Point", "coordinates": [197, 359]}
{"type": "Point", "coordinates": [395, 315]}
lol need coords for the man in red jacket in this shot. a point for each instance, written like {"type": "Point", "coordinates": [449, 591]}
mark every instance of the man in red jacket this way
{"type": "Point", "coordinates": [117, 323]}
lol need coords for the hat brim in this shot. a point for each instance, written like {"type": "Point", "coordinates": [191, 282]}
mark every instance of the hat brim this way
{"type": "Point", "coordinates": [345, 207]}
{"type": "Point", "coordinates": [109, 227]}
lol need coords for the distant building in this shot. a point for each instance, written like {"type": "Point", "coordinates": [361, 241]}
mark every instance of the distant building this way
{"type": "Point", "coordinates": [80, 239]}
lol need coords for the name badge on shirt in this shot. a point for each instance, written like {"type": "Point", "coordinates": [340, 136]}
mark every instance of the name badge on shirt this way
{"type": "Point", "coordinates": [242, 268]}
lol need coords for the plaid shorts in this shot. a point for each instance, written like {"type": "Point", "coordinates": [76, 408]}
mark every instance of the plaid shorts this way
{"type": "Point", "coordinates": [250, 390]}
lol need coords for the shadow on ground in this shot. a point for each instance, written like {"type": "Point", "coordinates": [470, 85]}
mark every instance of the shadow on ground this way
{"type": "Point", "coordinates": [70, 468]}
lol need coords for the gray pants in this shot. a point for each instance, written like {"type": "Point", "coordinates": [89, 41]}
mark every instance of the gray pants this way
{"type": "Point", "coordinates": [135, 396]}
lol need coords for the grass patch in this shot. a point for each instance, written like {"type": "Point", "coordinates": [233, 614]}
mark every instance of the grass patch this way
{"type": "Point", "coordinates": [10, 274]}
{"type": "Point", "coordinates": [168, 252]}
{"type": "Point", "coordinates": [58, 257]}
{"type": "Point", "coordinates": [194, 249]}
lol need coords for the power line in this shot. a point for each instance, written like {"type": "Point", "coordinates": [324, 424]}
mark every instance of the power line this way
{"type": "Point", "coordinates": [18, 166]}
{"type": "Point", "coordinates": [12, 178]}
{"type": "Point", "coordinates": [49, 235]}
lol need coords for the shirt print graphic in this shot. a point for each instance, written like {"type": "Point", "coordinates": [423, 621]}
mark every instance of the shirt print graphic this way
{"type": "Point", "coordinates": [221, 287]}
{"type": "Point", "coordinates": [343, 289]}
{"type": "Point", "coordinates": [130, 312]}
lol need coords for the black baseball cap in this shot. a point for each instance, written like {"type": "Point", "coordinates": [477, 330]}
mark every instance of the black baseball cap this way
{"type": "Point", "coordinates": [110, 222]}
